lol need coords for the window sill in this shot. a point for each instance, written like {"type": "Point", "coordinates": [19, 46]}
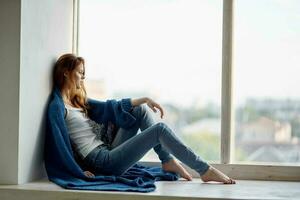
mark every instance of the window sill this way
{"type": "Point", "coordinates": [250, 171]}
{"type": "Point", "coordinates": [181, 189]}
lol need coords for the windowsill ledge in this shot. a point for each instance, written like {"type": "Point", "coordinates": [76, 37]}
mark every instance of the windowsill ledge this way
{"type": "Point", "coordinates": [244, 189]}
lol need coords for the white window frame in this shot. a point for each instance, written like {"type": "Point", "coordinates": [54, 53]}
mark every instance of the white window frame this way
{"type": "Point", "coordinates": [237, 171]}
{"type": "Point", "coordinates": [75, 31]}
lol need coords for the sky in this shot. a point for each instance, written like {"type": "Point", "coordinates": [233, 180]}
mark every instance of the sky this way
{"type": "Point", "coordinates": [173, 48]}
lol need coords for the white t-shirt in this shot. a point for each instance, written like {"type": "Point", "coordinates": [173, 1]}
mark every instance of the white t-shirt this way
{"type": "Point", "coordinates": [82, 131]}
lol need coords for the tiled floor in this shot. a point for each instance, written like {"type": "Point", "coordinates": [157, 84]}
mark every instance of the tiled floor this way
{"type": "Point", "coordinates": [181, 189]}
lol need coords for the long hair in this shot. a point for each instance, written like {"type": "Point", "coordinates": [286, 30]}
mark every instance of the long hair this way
{"type": "Point", "coordinates": [67, 63]}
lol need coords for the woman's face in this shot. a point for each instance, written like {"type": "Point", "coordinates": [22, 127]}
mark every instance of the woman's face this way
{"type": "Point", "coordinates": [77, 75]}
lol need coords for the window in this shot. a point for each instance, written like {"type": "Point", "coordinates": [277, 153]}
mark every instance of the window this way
{"type": "Point", "coordinates": [176, 39]}
{"type": "Point", "coordinates": [167, 50]}
{"type": "Point", "coordinates": [266, 81]}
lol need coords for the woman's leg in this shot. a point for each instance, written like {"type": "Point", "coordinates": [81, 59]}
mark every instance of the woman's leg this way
{"type": "Point", "coordinates": [144, 120]}
{"type": "Point", "coordinates": [122, 157]}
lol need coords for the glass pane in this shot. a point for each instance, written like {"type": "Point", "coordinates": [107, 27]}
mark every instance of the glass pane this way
{"type": "Point", "coordinates": [267, 49]}
{"type": "Point", "coordinates": [168, 50]}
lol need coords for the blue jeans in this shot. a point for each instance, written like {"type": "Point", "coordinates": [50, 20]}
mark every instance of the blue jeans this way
{"type": "Point", "coordinates": [129, 147]}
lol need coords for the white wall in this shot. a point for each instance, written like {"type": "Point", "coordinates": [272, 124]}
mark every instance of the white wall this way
{"type": "Point", "coordinates": [44, 33]}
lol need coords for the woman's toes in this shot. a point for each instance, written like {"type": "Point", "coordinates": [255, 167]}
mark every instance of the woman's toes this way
{"type": "Point", "coordinates": [232, 181]}
{"type": "Point", "coordinates": [188, 177]}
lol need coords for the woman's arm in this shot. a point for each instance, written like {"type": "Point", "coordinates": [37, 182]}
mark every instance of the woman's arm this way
{"type": "Point", "coordinates": [138, 101]}
{"type": "Point", "coordinates": [150, 103]}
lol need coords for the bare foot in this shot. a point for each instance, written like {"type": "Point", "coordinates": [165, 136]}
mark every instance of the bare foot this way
{"type": "Point", "coordinates": [213, 174]}
{"type": "Point", "coordinates": [173, 166]}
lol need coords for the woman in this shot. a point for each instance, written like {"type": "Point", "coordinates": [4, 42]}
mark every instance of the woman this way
{"type": "Point", "coordinates": [102, 152]}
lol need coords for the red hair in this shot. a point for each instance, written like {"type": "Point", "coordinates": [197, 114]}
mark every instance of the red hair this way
{"type": "Point", "coordinates": [68, 63]}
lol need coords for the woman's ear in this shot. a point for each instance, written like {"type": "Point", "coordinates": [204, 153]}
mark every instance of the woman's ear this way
{"type": "Point", "coordinates": [66, 74]}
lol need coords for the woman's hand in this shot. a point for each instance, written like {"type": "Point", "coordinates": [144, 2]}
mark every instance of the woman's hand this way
{"type": "Point", "coordinates": [89, 174]}
{"type": "Point", "coordinates": [154, 106]}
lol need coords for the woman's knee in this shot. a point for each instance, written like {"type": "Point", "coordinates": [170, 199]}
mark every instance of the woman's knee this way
{"type": "Point", "coordinates": [161, 127]}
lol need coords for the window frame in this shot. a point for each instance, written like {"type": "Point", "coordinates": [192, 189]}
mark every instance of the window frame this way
{"type": "Point", "coordinates": [237, 171]}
